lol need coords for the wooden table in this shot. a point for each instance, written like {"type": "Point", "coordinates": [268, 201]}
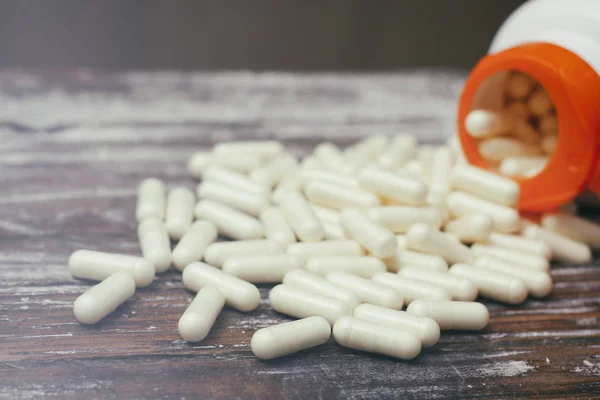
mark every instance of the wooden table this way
{"type": "Point", "coordinates": [74, 147]}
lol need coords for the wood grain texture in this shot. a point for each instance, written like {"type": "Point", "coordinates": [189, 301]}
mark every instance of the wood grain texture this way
{"type": "Point", "coordinates": [74, 146]}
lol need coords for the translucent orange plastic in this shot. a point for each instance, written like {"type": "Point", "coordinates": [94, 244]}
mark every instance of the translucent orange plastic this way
{"type": "Point", "coordinates": [575, 90]}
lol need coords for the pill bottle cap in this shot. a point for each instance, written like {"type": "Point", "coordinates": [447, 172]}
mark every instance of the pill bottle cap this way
{"type": "Point", "coordinates": [575, 91]}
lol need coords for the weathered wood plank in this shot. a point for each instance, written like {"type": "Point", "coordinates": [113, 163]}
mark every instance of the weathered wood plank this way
{"type": "Point", "coordinates": [73, 147]}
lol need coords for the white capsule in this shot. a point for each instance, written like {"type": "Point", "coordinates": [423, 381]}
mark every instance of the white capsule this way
{"type": "Point", "coordinates": [428, 240]}
{"type": "Point", "coordinates": [459, 288]}
{"type": "Point", "coordinates": [314, 283]}
{"type": "Point", "coordinates": [423, 260]}
{"type": "Point", "coordinates": [374, 338]}
{"type": "Point", "coordinates": [521, 244]}
{"type": "Point", "coordinates": [310, 175]}
{"type": "Point", "coordinates": [288, 183]}
{"type": "Point", "coordinates": [194, 242]}
{"type": "Point", "coordinates": [180, 211]}
{"type": "Point", "coordinates": [103, 298]}
{"type": "Point", "coordinates": [394, 187]}
{"type": "Point", "coordinates": [402, 149]}
{"type": "Point", "coordinates": [573, 227]}
{"type": "Point", "coordinates": [485, 184]}
{"type": "Point", "coordinates": [362, 266]}
{"type": "Point", "coordinates": [411, 289]}
{"type": "Point", "coordinates": [346, 247]}
{"type": "Point", "coordinates": [217, 253]}
{"type": "Point", "coordinates": [300, 216]}
{"type": "Point", "coordinates": [262, 269]}
{"type": "Point", "coordinates": [471, 228]}
{"type": "Point", "coordinates": [234, 179]}
{"type": "Point", "coordinates": [492, 284]}
{"type": "Point", "coordinates": [455, 315]}
{"type": "Point", "coordinates": [443, 161]}
{"type": "Point", "coordinates": [238, 294]}
{"type": "Point", "coordinates": [290, 337]}
{"type": "Point", "coordinates": [330, 155]}
{"type": "Point", "coordinates": [367, 290]}
{"type": "Point", "coordinates": [438, 201]}
{"type": "Point", "coordinates": [243, 163]}
{"type": "Point", "coordinates": [373, 236]}
{"type": "Point", "coordinates": [522, 166]}
{"type": "Point", "coordinates": [399, 218]}
{"type": "Point", "coordinates": [506, 219]}
{"type": "Point", "coordinates": [413, 258]}
{"type": "Point", "coordinates": [426, 329]}
{"type": "Point", "coordinates": [326, 214]}
{"type": "Point", "coordinates": [539, 283]}
{"type": "Point", "coordinates": [276, 226]}
{"type": "Point", "coordinates": [310, 163]}
{"type": "Point", "coordinates": [539, 102]}
{"type": "Point", "coordinates": [484, 123]}
{"type": "Point", "coordinates": [262, 148]}
{"type": "Point", "coordinates": [519, 85]}
{"type": "Point", "coordinates": [333, 231]}
{"type": "Point", "coordinates": [549, 144]}
{"type": "Point", "coordinates": [563, 248]}
{"type": "Point", "coordinates": [526, 260]}
{"type": "Point", "coordinates": [300, 303]}
{"type": "Point", "coordinates": [498, 149]}
{"type": "Point", "coordinates": [97, 266]}
{"type": "Point", "coordinates": [414, 170]}
{"type": "Point", "coordinates": [548, 125]}
{"type": "Point", "coordinates": [229, 221]}
{"type": "Point", "coordinates": [367, 149]}
{"type": "Point", "coordinates": [155, 243]}
{"type": "Point", "coordinates": [199, 317]}
{"type": "Point", "coordinates": [339, 197]}
{"type": "Point", "coordinates": [241, 200]}
{"type": "Point", "coordinates": [151, 200]}
{"type": "Point", "coordinates": [273, 172]}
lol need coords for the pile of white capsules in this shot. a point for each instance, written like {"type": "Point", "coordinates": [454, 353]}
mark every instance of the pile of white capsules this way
{"type": "Point", "coordinates": [519, 140]}
{"type": "Point", "coordinates": [350, 237]}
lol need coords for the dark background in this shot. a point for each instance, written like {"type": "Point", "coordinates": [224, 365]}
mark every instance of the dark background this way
{"type": "Point", "coordinates": [249, 34]}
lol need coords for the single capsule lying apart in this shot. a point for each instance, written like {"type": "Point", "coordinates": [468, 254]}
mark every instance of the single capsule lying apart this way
{"type": "Point", "coordinates": [374, 338]}
{"type": "Point", "coordinates": [290, 337]}
{"type": "Point", "coordinates": [103, 298]}
{"type": "Point", "coordinates": [155, 243]}
{"type": "Point", "coordinates": [457, 315]}
{"type": "Point", "coordinates": [97, 266]}
{"type": "Point", "coordinates": [201, 314]}
{"type": "Point", "coordinates": [238, 294]}
{"type": "Point", "coordinates": [425, 328]}
{"type": "Point", "coordinates": [300, 303]}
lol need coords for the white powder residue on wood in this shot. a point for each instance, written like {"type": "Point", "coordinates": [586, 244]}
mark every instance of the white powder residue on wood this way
{"type": "Point", "coordinates": [506, 369]}
{"type": "Point", "coordinates": [588, 368]}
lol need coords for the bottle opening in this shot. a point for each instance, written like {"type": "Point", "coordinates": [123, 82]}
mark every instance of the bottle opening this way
{"type": "Point", "coordinates": [514, 123]}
